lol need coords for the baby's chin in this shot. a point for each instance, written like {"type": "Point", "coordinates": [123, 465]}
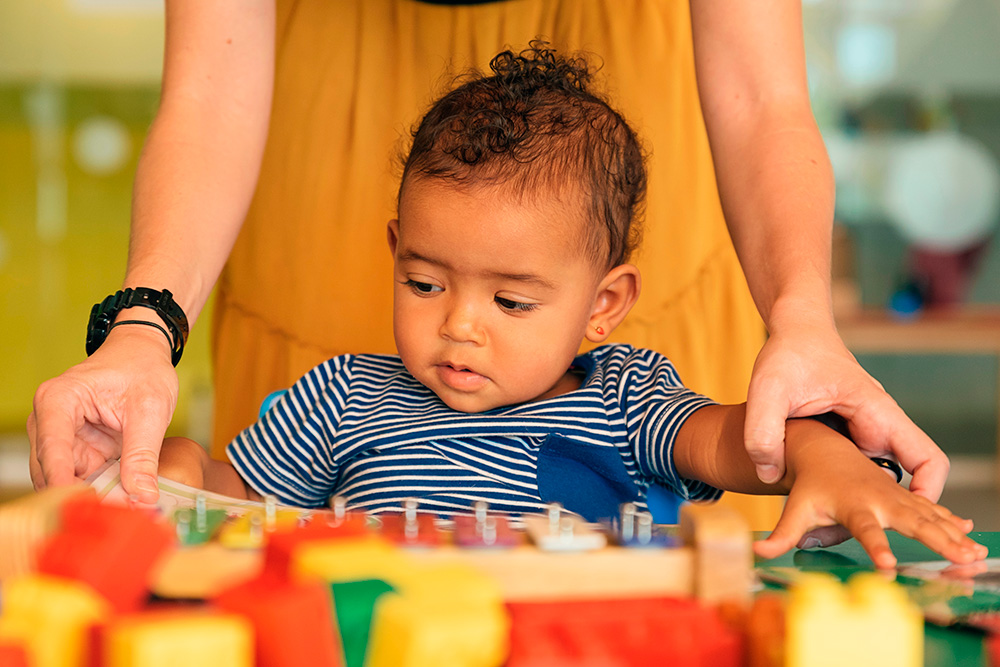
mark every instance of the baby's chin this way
{"type": "Point", "coordinates": [467, 403]}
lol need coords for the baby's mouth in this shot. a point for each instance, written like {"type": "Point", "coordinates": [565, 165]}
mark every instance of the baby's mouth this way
{"type": "Point", "coordinates": [460, 377]}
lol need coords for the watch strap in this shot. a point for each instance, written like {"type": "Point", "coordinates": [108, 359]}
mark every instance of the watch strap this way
{"type": "Point", "coordinates": [103, 314]}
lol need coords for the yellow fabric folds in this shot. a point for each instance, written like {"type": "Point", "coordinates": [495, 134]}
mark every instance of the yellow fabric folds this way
{"type": "Point", "coordinates": [310, 275]}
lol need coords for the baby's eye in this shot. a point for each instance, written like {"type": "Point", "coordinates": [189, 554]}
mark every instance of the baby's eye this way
{"type": "Point", "coordinates": [514, 306]}
{"type": "Point", "coordinates": [423, 288]}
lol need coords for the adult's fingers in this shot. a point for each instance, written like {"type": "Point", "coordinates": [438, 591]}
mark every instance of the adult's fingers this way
{"type": "Point", "coordinates": [143, 429]}
{"type": "Point", "coordinates": [52, 429]}
{"type": "Point", "coordinates": [764, 428]}
{"type": "Point", "coordinates": [881, 425]}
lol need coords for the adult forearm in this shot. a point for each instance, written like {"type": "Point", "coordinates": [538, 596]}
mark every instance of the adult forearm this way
{"type": "Point", "coordinates": [199, 166]}
{"type": "Point", "coordinates": [193, 186]}
{"type": "Point", "coordinates": [777, 192]}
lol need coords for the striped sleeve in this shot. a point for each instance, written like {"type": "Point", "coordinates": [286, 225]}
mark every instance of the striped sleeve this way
{"type": "Point", "coordinates": [289, 451]}
{"type": "Point", "coordinates": [655, 405]}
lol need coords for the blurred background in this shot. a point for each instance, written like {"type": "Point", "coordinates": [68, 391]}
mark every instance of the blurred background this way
{"type": "Point", "coordinates": [906, 92]}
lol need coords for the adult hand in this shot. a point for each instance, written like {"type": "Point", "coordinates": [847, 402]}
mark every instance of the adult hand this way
{"type": "Point", "coordinates": [118, 402]}
{"type": "Point", "coordinates": [809, 371]}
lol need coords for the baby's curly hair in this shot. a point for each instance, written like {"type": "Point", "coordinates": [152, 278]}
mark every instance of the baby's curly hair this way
{"type": "Point", "coordinates": [532, 126]}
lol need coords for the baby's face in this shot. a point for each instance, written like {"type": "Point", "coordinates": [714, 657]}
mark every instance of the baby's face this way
{"type": "Point", "coordinates": [492, 297]}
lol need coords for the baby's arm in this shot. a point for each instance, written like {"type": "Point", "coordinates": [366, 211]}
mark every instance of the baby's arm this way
{"type": "Point", "coordinates": [184, 460]}
{"type": "Point", "coordinates": [828, 481]}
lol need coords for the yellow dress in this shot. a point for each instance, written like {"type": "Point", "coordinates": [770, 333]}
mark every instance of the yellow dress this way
{"type": "Point", "coordinates": [310, 275]}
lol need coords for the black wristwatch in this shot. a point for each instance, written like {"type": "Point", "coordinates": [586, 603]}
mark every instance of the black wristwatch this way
{"type": "Point", "coordinates": [103, 314]}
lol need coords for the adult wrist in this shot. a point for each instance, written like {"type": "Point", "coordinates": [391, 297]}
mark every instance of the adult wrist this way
{"type": "Point", "coordinates": [801, 311]}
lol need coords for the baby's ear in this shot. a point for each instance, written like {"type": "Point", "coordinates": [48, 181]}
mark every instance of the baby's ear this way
{"type": "Point", "coordinates": [392, 234]}
{"type": "Point", "coordinates": [615, 297]}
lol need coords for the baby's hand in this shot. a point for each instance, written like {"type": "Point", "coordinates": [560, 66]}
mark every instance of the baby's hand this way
{"type": "Point", "coordinates": [839, 485]}
{"type": "Point", "coordinates": [183, 460]}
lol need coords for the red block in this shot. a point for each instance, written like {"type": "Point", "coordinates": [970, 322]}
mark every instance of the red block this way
{"type": "Point", "coordinates": [281, 544]}
{"type": "Point", "coordinates": [294, 624]}
{"type": "Point", "coordinates": [109, 547]}
{"type": "Point", "coordinates": [613, 633]}
{"type": "Point", "coordinates": [993, 648]}
{"type": "Point", "coordinates": [13, 655]}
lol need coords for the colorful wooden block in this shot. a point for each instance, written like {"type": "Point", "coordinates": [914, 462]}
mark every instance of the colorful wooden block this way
{"type": "Point", "coordinates": [283, 542]}
{"type": "Point", "coordinates": [868, 621]}
{"type": "Point", "coordinates": [194, 526]}
{"type": "Point", "coordinates": [293, 623]}
{"type": "Point", "coordinates": [113, 549]}
{"type": "Point", "coordinates": [723, 552]}
{"type": "Point", "coordinates": [27, 522]}
{"type": "Point", "coordinates": [249, 531]}
{"type": "Point", "coordinates": [354, 602]}
{"type": "Point", "coordinates": [13, 654]}
{"type": "Point", "coordinates": [641, 631]}
{"type": "Point", "coordinates": [193, 639]}
{"type": "Point", "coordinates": [765, 631]}
{"type": "Point", "coordinates": [50, 618]}
{"type": "Point", "coordinates": [349, 559]}
{"type": "Point", "coordinates": [447, 615]}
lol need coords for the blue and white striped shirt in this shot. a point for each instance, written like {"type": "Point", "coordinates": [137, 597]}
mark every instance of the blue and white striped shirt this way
{"type": "Point", "coordinates": [361, 427]}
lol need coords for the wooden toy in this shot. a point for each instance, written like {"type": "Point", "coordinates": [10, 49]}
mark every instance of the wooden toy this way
{"type": "Point", "coordinates": [113, 549]}
{"type": "Point", "coordinates": [723, 552]}
{"type": "Point", "coordinates": [639, 631]}
{"type": "Point", "coordinates": [440, 615]}
{"type": "Point", "coordinates": [411, 529]}
{"type": "Point", "coordinates": [293, 622]}
{"type": "Point", "coordinates": [282, 543]}
{"type": "Point", "coordinates": [50, 617]}
{"type": "Point", "coordinates": [27, 522]}
{"type": "Point", "coordinates": [765, 631]}
{"type": "Point", "coordinates": [202, 571]}
{"type": "Point", "coordinates": [248, 531]}
{"type": "Point", "coordinates": [636, 529]}
{"type": "Point", "coordinates": [354, 602]}
{"type": "Point", "coordinates": [13, 654]}
{"type": "Point", "coordinates": [482, 530]}
{"type": "Point", "coordinates": [714, 563]}
{"type": "Point", "coordinates": [197, 525]}
{"type": "Point", "coordinates": [560, 531]}
{"type": "Point", "coordinates": [868, 621]}
{"type": "Point", "coordinates": [202, 638]}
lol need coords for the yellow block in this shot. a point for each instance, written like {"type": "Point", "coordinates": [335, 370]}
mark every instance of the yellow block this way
{"type": "Point", "coordinates": [350, 559]}
{"type": "Point", "coordinates": [50, 617]}
{"type": "Point", "coordinates": [249, 530]}
{"type": "Point", "coordinates": [194, 639]}
{"type": "Point", "coordinates": [868, 621]}
{"type": "Point", "coordinates": [442, 616]}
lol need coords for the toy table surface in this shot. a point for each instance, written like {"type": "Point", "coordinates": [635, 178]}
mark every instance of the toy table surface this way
{"type": "Point", "coordinates": [942, 646]}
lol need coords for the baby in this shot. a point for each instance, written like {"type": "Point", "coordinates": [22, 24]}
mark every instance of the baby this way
{"type": "Point", "coordinates": [517, 213]}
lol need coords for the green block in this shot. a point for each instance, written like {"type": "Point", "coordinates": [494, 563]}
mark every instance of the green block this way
{"type": "Point", "coordinates": [189, 533]}
{"type": "Point", "coordinates": [354, 602]}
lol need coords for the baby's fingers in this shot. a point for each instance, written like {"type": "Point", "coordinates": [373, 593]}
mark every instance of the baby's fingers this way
{"type": "Point", "coordinates": [940, 530]}
{"type": "Point", "coordinates": [870, 534]}
{"type": "Point", "coordinates": [795, 521]}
